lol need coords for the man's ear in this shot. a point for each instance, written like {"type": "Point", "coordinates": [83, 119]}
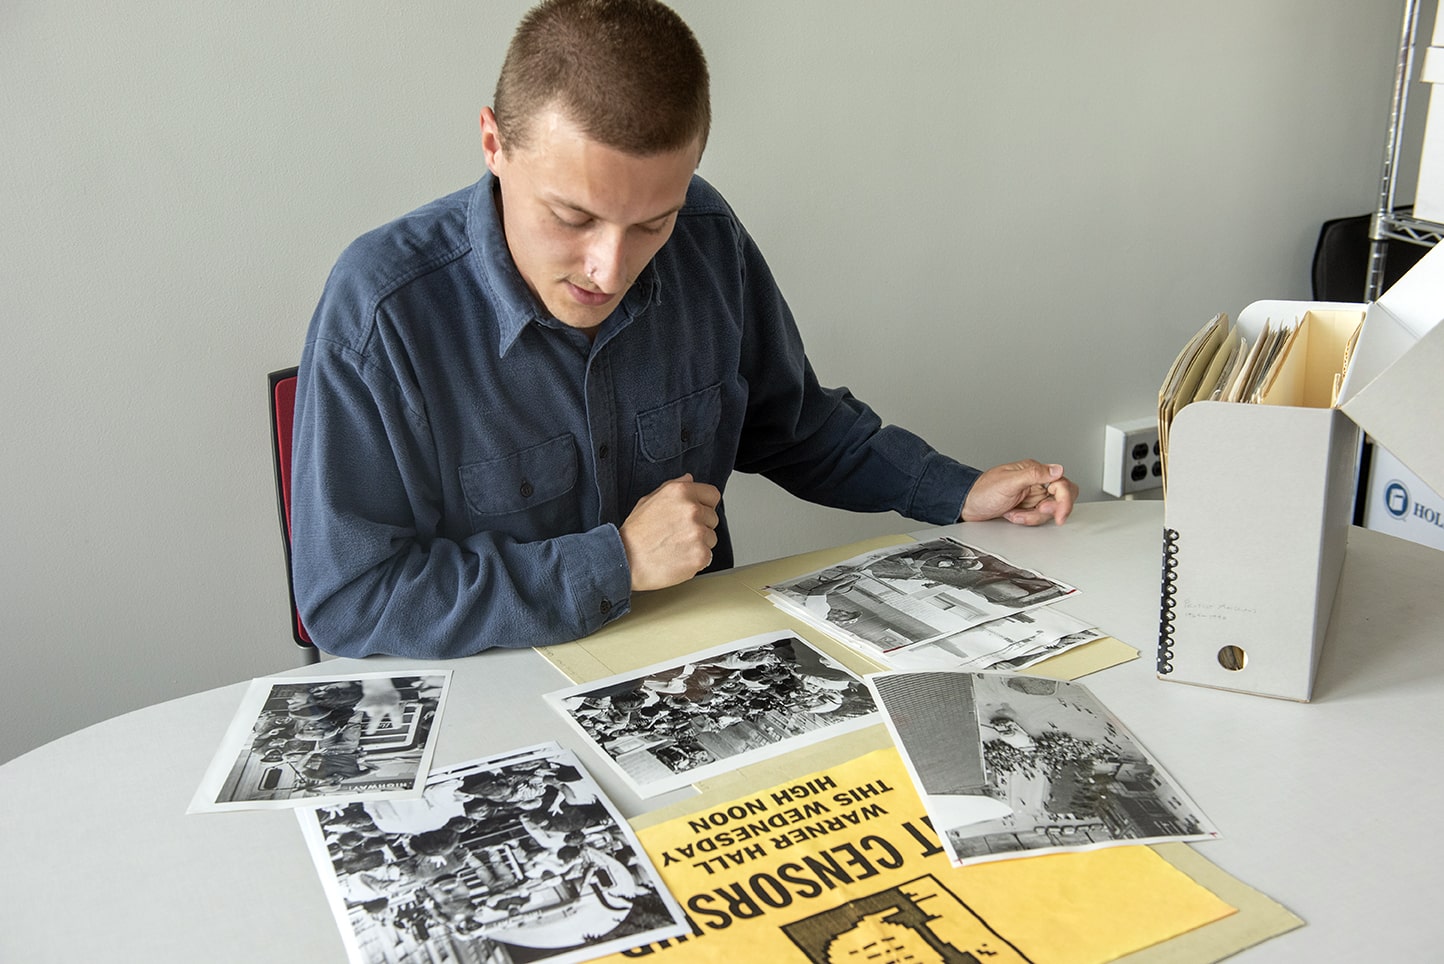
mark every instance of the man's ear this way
{"type": "Point", "coordinates": [491, 141]}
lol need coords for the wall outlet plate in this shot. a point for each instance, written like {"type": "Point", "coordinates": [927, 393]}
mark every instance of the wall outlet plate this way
{"type": "Point", "coordinates": [1131, 459]}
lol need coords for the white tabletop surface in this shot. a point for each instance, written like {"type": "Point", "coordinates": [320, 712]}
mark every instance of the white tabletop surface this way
{"type": "Point", "coordinates": [1327, 807]}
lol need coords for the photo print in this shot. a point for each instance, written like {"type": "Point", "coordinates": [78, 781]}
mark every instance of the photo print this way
{"type": "Point", "coordinates": [303, 741]}
{"type": "Point", "coordinates": [671, 724]}
{"type": "Point", "coordinates": [1011, 765]}
{"type": "Point", "coordinates": [910, 594]}
{"type": "Point", "coordinates": [513, 859]}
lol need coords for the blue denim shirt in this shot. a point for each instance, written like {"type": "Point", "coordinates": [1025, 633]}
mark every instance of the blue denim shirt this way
{"type": "Point", "coordinates": [462, 461]}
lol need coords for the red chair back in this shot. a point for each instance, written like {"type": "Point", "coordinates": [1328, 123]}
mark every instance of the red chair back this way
{"type": "Point", "coordinates": [283, 413]}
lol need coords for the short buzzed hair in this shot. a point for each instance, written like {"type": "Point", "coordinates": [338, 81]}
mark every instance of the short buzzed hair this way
{"type": "Point", "coordinates": [629, 73]}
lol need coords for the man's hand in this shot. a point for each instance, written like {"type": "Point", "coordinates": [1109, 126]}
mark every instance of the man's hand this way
{"type": "Point", "coordinates": [1025, 493]}
{"type": "Point", "coordinates": [669, 536]}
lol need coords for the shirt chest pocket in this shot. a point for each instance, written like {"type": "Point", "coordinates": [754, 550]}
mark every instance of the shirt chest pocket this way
{"type": "Point", "coordinates": [529, 494]}
{"type": "Point", "coordinates": [678, 437]}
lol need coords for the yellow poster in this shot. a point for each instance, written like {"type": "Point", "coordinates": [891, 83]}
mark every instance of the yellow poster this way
{"type": "Point", "coordinates": [842, 866]}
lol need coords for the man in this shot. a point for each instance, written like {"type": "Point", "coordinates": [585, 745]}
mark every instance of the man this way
{"type": "Point", "coordinates": [520, 404]}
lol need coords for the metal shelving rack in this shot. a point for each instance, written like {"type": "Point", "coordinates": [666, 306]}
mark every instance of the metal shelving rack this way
{"type": "Point", "coordinates": [1387, 223]}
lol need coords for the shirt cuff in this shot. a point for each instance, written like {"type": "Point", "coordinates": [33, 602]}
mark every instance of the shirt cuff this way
{"type": "Point", "coordinates": [942, 489]}
{"type": "Point", "coordinates": [598, 579]}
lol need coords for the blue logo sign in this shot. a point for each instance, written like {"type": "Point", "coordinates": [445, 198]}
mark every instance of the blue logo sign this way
{"type": "Point", "coordinates": [1396, 499]}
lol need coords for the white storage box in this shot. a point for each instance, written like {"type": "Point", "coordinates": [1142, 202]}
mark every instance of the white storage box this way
{"type": "Point", "coordinates": [1397, 502]}
{"type": "Point", "coordinates": [1260, 497]}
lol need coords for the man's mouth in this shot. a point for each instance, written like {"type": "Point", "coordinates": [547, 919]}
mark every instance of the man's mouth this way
{"type": "Point", "coordinates": [587, 297]}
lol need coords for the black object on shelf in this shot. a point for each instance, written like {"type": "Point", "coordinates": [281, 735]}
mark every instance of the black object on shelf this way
{"type": "Point", "coordinates": [1341, 259]}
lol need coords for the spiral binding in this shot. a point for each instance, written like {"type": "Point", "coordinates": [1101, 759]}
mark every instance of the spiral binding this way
{"type": "Point", "coordinates": [1166, 601]}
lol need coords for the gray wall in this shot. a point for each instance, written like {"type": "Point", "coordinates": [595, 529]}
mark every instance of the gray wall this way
{"type": "Point", "coordinates": [995, 221]}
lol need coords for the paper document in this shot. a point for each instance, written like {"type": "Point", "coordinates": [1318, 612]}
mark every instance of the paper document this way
{"type": "Point", "coordinates": [304, 741]}
{"type": "Point", "coordinates": [1010, 766]}
{"type": "Point", "coordinates": [1299, 361]}
{"type": "Point", "coordinates": [902, 596]}
{"type": "Point", "coordinates": [841, 864]}
{"type": "Point", "coordinates": [671, 724]}
{"type": "Point", "coordinates": [517, 857]}
{"type": "Point", "coordinates": [1007, 643]}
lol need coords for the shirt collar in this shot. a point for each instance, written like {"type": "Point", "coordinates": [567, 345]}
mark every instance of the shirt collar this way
{"type": "Point", "coordinates": [512, 300]}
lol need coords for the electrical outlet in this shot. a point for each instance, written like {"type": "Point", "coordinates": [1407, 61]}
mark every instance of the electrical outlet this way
{"type": "Point", "coordinates": [1131, 462]}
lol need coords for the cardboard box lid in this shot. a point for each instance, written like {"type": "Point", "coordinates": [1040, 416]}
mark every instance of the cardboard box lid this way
{"type": "Point", "coordinates": [1392, 389]}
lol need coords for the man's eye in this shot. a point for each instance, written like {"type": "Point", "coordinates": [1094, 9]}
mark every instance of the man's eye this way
{"type": "Point", "coordinates": [575, 224]}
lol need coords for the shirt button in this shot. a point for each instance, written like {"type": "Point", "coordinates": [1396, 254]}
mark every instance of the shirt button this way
{"type": "Point", "coordinates": [603, 451]}
{"type": "Point", "coordinates": [606, 606]}
{"type": "Point", "coordinates": [686, 436]}
{"type": "Point", "coordinates": [526, 490]}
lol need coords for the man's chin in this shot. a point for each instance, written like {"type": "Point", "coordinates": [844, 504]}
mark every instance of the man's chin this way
{"type": "Point", "coordinates": [582, 318]}
{"type": "Point", "coordinates": [580, 322]}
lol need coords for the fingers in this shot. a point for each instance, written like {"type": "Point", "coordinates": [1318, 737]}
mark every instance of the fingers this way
{"type": "Point", "coordinates": [695, 504]}
{"type": "Point", "coordinates": [708, 495]}
{"type": "Point", "coordinates": [669, 537]}
{"type": "Point", "coordinates": [1065, 494]}
{"type": "Point", "coordinates": [1026, 492]}
{"type": "Point", "coordinates": [1052, 500]}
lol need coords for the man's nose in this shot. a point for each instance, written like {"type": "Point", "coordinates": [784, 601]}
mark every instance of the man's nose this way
{"type": "Point", "coordinates": [606, 261]}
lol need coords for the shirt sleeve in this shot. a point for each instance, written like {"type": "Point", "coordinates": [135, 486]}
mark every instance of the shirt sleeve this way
{"type": "Point", "coordinates": [824, 444]}
{"type": "Point", "coordinates": [370, 572]}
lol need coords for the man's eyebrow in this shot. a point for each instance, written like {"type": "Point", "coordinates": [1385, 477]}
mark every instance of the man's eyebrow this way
{"type": "Point", "coordinates": [573, 206]}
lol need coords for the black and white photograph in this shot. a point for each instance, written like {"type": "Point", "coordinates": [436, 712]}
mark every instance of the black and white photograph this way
{"type": "Point", "coordinates": [510, 859]}
{"type": "Point", "coordinates": [905, 595]}
{"type": "Point", "coordinates": [304, 741]}
{"type": "Point", "coordinates": [1010, 765]}
{"type": "Point", "coordinates": [668, 725]}
{"type": "Point", "coordinates": [1010, 642]}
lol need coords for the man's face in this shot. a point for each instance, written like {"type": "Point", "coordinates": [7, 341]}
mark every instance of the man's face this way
{"type": "Point", "coordinates": [581, 219]}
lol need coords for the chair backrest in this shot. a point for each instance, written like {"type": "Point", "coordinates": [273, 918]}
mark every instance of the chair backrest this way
{"type": "Point", "coordinates": [1340, 269]}
{"type": "Point", "coordinates": [283, 413]}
